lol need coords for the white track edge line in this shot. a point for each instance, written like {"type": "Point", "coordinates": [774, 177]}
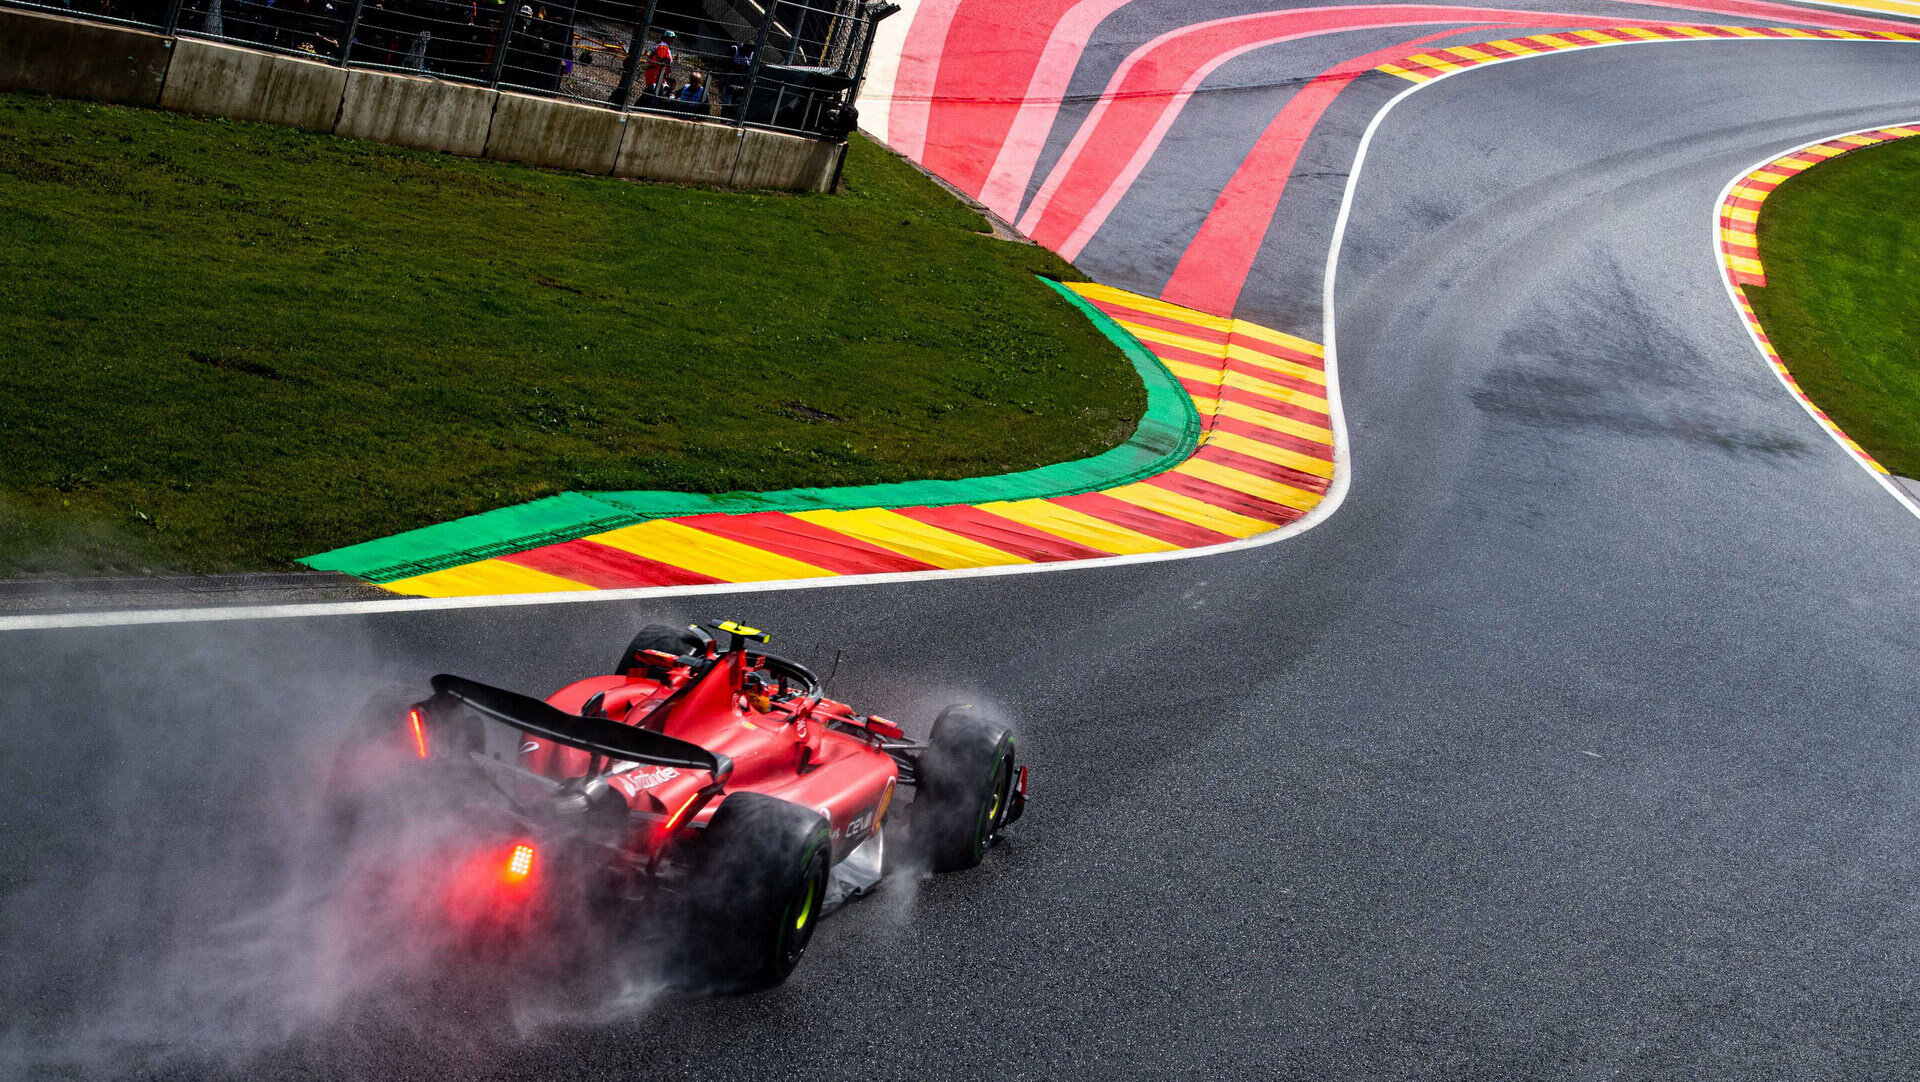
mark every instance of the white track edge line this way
{"type": "Point", "coordinates": [1797, 393]}
{"type": "Point", "coordinates": [1336, 494]}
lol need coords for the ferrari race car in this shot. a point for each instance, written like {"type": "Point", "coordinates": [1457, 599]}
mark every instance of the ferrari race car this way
{"type": "Point", "coordinates": [708, 788]}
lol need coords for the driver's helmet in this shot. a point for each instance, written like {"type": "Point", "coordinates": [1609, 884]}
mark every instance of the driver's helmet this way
{"type": "Point", "coordinates": [758, 689]}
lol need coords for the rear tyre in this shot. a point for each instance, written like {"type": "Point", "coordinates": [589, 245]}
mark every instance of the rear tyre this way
{"type": "Point", "coordinates": [678, 641]}
{"type": "Point", "coordinates": [760, 881]}
{"type": "Point", "coordinates": [966, 786]}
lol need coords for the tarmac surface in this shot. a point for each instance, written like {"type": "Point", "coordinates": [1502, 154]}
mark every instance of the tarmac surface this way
{"type": "Point", "coordinates": [1577, 744]}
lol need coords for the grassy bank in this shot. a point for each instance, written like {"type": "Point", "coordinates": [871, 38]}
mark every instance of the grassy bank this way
{"type": "Point", "coordinates": [1841, 247]}
{"type": "Point", "coordinates": [224, 346]}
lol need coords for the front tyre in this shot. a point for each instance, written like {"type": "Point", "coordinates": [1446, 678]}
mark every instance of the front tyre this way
{"type": "Point", "coordinates": [662, 637]}
{"type": "Point", "coordinates": [760, 883]}
{"type": "Point", "coordinates": [966, 789]}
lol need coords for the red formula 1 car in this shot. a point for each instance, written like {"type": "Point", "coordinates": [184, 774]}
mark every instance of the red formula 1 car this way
{"type": "Point", "coordinates": [713, 788]}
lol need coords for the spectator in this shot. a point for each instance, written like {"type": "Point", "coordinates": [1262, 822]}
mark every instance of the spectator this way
{"type": "Point", "coordinates": [695, 92]}
{"type": "Point", "coordinates": [417, 51]}
{"type": "Point", "coordinates": [660, 63]}
{"type": "Point", "coordinates": [536, 57]}
{"type": "Point", "coordinates": [736, 84]}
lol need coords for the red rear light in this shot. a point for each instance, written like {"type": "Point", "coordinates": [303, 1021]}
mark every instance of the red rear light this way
{"type": "Point", "coordinates": [417, 724]}
{"type": "Point", "coordinates": [680, 814]}
{"type": "Point", "coordinates": [520, 864]}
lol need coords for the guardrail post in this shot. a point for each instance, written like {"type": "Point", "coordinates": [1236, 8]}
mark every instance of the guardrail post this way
{"type": "Point", "coordinates": [636, 50]}
{"type": "Point", "coordinates": [353, 28]}
{"type": "Point", "coordinates": [508, 11]}
{"type": "Point", "coordinates": [172, 26]}
{"type": "Point", "coordinates": [759, 52]}
{"type": "Point", "coordinates": [866, 50]}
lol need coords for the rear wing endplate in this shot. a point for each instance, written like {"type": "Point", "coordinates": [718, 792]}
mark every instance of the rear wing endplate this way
{"type": "Point", "coordinates": [596, 736]}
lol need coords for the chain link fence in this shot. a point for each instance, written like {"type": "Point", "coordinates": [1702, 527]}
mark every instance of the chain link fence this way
{"type": "Point", "coordinates": [784, 65]}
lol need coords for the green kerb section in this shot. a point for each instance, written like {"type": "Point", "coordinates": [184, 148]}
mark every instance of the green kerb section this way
{"type": "Point", "coordinates": [1167, 433]}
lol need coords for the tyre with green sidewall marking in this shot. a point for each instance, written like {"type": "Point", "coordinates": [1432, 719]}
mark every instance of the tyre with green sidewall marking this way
{"type": "Point", "coordinates": [760, 880]}
{"type": "Point", "coordinates": [966, 779]}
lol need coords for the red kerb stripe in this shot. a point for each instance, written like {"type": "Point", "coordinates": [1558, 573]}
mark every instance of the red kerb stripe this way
{"type": "Point", "coordinates": [1222, 496]}
{"type": "Point", "coordinates": [605, 567]}
{"type": "Point", "coordinates": [1166, 528]}
{"type": "Point", "coordinates": [1260, 467]}
{"type": "Point", "coordinates": [1002, 533]}
{"type": "Point", "coordinates": [806, 542]}
{"type": "Point", "coordinates": [1291, 442]}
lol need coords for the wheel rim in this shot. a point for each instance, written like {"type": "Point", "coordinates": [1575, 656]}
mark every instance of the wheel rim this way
{"type": "Point", "coordinates": [996, 804]}
{"type": "Point", "coordinates": [796, 936]}
{"type": "Point", "coordinates": [806, 909]}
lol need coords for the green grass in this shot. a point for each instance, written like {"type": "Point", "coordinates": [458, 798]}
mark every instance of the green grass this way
{"type": "Point", "coordinates": [1841, 247]}
{"type": "Point", "coordinates": [224, 346]}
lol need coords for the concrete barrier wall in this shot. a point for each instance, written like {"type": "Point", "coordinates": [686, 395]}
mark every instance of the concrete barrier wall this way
{"type": "Point", "coordinates": [408, 111]}
{"type": "Point", "coordinates": [78, 59]}
{"type": "Point", "coordinates": [209, 79]}
{"type": "Point", "coordinates": [558, 134]}
{"type": "Point", "coordinates": [792, 162]}
{"type": "Point", "coordinates": [684, 152]}
{"type": "Point", "coordinates": [81, 60]}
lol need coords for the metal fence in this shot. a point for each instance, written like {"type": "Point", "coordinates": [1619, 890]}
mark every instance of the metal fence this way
{"type": "Point", "coordinates": [784, 65]}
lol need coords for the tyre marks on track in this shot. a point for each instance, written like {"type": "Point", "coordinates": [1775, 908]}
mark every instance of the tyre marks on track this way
{"type": "Point", "coordinates": [987, 86]}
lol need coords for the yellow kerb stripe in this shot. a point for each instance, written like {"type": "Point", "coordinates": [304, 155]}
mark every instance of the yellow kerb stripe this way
{"type": "Point", "coordinates": [1434, 62]}
{"type": "Point", "coordinates": [1275, 422]}
{"type": "Point", "coordinates": [1241, 481]}
{"type": "Point", "coordinates": [1277, 364]}
{"type": "Point", "coordinates": [1189, 510]}
{"type": "Point", "coordinates": [484, 577]}
{"type": "Point", "coordinates": [1245, 382]}
{"type": "Point", "coordinates": [1148, 305]}
{"type": "Point", "coordinates": [1267, 452]}
{"type": "Point", "coordinates": [1154, 336]}
{"type": "Point", "coordinates": [1078, 527]}
{"type": "Point", "coordinates": [1199, 373]}
{"type": "Point", "coordinates": [706, 554]}
{"type": "Point", "coordinates": [1404, 73]}
{"type": "Point", "coordinates": [911, 538]}
{"type": "Point", "coordinates": [1242, 329]}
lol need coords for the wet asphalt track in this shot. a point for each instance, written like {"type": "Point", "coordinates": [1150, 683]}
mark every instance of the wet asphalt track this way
{"type": "Point", "coordinates": [1578, 744]}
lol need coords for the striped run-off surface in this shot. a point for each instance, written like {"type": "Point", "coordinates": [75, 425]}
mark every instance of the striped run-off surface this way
{"type": "Point", "coordinates": [1434, 63]}
{"type": "Point", "coordinates": [1264, 459]}
{"type": "Point", "coordinates": [1740, 247]}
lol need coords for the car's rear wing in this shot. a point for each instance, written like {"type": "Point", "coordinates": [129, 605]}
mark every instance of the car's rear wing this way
{"type": "Point", "coordinates": [596, 736]}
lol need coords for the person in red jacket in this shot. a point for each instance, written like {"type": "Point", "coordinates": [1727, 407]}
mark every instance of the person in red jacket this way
{"type": "Point", "coordinates": [660, 62]}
